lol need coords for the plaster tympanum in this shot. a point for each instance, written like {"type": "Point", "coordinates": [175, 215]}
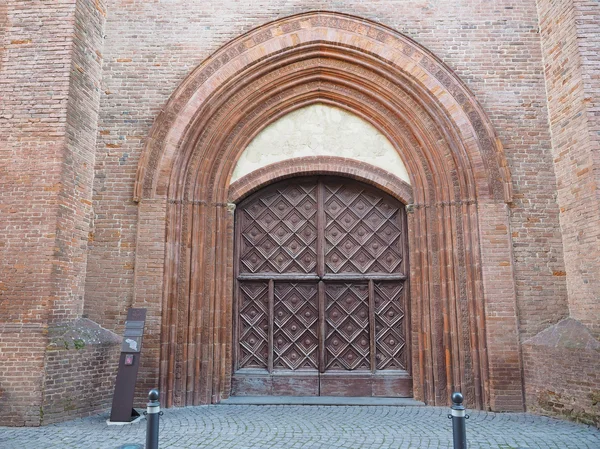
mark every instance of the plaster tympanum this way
{"type": "Point", "coordinates": [320, 130]}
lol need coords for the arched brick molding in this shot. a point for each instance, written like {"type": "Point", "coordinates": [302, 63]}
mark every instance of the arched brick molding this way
{"type": "Point", "coordinates": [462, 289]}
{"type": "Point", "coordinates": [320, 165]}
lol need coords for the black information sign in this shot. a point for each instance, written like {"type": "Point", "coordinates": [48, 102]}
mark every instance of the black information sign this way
{"type": "Point", "coordinates": [129, 363]}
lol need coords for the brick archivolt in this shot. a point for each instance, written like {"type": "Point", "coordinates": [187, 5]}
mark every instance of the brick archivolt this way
{"type": "Point", "coordinates": [320, 165]}
{"type": "Point", "coordinates": [454, 160]}
{"type": "Point", "coordinates": [268, 52]}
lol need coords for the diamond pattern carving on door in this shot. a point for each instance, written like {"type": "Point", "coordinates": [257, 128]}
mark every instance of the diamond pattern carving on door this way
{"type": "Point", "coordinates": [362, 231]}
{"type": "Point", "coordinates": [389, 326]}
{"type": "Point", "coordinates": [347, 327]}
{"type": "Point", "coordinates": [279, 231]}
{"type": "Point", "coordinates": [321, 290]}
{"type": "Point", "coordinates": [254, 325]}
{"type": "Point", "coordinates": [295, 326]}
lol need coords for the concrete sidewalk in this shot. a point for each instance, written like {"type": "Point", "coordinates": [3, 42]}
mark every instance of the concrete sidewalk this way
{"type": "Point", "coordinates": [316, 427]}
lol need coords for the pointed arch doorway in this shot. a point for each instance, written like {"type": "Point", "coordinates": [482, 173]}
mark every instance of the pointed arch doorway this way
{"type": "Point", "coordinates": [321, 267]}
{"type": "Point", "coordinates": [463, 298]}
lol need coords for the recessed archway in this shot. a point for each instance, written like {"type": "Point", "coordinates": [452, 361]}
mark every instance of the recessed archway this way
{"type": "Point", "coordinates": [462, 294]}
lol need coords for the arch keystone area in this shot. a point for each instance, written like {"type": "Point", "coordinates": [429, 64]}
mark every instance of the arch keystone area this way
{"type": "Point", "coordinates": [462, 291]}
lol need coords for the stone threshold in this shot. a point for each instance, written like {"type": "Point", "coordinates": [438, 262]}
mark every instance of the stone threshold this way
{"type": "Point", "coordinates": [319, 400]}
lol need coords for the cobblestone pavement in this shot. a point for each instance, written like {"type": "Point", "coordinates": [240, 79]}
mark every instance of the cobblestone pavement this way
{"type": "Point", "coordinates": [322, 427]}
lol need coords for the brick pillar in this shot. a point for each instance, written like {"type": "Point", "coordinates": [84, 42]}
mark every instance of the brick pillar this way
{"type": "Point", "coordinates": [501, 312]}
{"type": "Point", "coordinates": [570, 42]}
{"type": "Point", "coordinates": [561, 361]}
{"type": "Point", "coordinates": [50, 88]}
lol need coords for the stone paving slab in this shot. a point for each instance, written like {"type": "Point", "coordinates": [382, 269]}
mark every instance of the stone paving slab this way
{"type": "Point", "coordinates": [311, 427]}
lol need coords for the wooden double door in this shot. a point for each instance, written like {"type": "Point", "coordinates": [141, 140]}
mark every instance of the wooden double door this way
{"type": "Point", "coordinates": [321, 291]}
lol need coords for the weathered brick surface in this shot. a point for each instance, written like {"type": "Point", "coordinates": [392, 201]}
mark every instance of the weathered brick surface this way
{"type": "Point", "coordinates": [78, 379]}
{"type": "Point", "coordinates": [76, 112]}
{"type": "Point", "coordinates": [561, 377]}
{"type": "Point", "coordinates": [81, 381]}
{"type": "Point", "coordinates": [34, 90]}
{"type": "Point", "coordinates": [495, 50]}
{"type": "Point", "coordinates": [50, 89]}
{"type": "Point", "coordinates": [49, 85]}
{"type": "Point", "coordinates": [570, 42]}
{"type": "Point", "coordinates": [74, 192]}
{"type": "Point", "coordinates": [149, 291]}
{"type": "Point", "coordinates": [562, 368]}
{"type": "Point", "coordinates": [34, 87]}
{"type": "Point", "coordinates": [80, 369]}
{"type": "Point", "coordinates": [22, 349]}
{"type": "Point", "coordinates": [501, 317]}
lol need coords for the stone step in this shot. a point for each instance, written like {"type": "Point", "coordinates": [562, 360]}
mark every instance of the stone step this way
{"type": "Point", "coordinates": [319, 400]}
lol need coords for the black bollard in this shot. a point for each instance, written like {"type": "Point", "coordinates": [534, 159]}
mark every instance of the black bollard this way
{"type": "Point", "coordinates": [458, 416]}
{"type": "Point", "coordinates": [152, 416]}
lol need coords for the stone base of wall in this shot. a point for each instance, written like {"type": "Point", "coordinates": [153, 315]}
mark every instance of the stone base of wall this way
{"type": "Point", "coordinates": [562, 372]}
{"type": "Point", "coordinates": [81, 364]}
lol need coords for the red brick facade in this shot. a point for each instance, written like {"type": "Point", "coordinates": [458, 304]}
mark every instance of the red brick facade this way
{"type": "Point", "coordinates": [121, 123]}
{"type": "Point", "coordinates": [51, 64]}
{"type": "Point", "coordinates": [570, 389]}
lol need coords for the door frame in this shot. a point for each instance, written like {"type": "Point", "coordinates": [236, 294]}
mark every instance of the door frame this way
{"type": "Point", "coordinates": [382, 383]}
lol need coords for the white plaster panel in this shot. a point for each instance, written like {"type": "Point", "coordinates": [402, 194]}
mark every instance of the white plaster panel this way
{"type": "Point", "coordinates": [320, 130]}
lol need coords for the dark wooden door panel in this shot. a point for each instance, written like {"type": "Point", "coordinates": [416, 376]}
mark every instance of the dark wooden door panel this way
{"type": "Point", "coordinates": [278, 231]}
{"type": "Point", "coordinates": [349, 384]}
{"type": "Point", "coordinates": [321, 278]}
{"type": "Point", "coordinates": [347, 346]}
{"type": "Point", "coordinates": [388, 384]}
{"type": "Point", "coordinates": [295, 339]}
{"type": "Point", "coordinates": [362, 230]}
{"type": "Point", "coordinates": [249, 382]}
{"type": "Point", "coordinates": [390, 330]}
{"type": "Point", "coordinates": [253, 325]}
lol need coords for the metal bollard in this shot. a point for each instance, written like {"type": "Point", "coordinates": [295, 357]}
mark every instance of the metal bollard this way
{"type": "Point", "coordinates": [152, 416]}
{"type": "Point", "coordinates": [458, 416]}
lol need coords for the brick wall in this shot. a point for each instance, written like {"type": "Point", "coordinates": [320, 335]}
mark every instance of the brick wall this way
{"type": "Point", "coordinates": [149, 264]}
{"type": "Point", "coordinates": [22, 349]}
{"type": "Point", "coordinates": [74, 379]}
{"type": "Point", "coordinates": [561, 367]}
{"type": "Point", "coordinates": [81, 384]}
{"type": "Point", "coordinates": [561, 363]}
{"type": "Point", "coordinates": [34, 90]}
{"type": "Point", "coordinates": [74, 188]}
{"type": "Point", "coordinates": [570, 42]}
{"type": "Point", "coordinates": [80, 370]}
{"type": "Point", "coordinates": [493, 47]}
{"type": "Point", "coordinates": [50, 72]}
{"type": "Point", "coordinates": [65, 119]}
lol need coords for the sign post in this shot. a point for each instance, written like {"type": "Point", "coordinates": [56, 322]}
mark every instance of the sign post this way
{"type": "Point", "coordinates": [129, 363]}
